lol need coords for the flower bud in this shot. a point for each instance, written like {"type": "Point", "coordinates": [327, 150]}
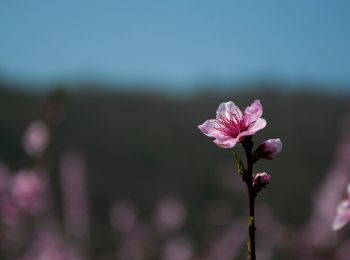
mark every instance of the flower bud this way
{"type": "Point", "coordinates": [261, 180]}
{"type": "Point", "coordinates": [269, 149]}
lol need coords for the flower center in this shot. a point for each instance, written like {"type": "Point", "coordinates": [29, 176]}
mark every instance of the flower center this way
{"type": "Point", "coordinates": [231, 125]}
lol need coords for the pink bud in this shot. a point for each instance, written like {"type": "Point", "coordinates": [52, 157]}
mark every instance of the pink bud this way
{"type": "Point", "coordinates": [269, 149]}
{"type": "Point", "coordinates": [261, 179]}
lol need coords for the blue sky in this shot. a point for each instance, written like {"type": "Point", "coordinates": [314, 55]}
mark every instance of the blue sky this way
{"type": "Point", "coordinates": [179, 42]}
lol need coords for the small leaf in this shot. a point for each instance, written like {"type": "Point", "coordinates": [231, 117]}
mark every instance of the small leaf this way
{"type": "Point", "coordinates": [251, 222]}
{"type": "Point", "coordinates": [240, 166]}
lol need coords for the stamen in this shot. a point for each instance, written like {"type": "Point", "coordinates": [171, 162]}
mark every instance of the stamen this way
{"type": "Point", "coordinates": [229, 126]}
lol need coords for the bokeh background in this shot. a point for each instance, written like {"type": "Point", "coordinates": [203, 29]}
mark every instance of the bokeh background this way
{"type": "Point", "coordinates": [100, 154]}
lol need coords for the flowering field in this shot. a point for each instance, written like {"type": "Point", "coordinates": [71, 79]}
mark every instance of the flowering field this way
{"type": "Point", "coordinates": [87, 174]}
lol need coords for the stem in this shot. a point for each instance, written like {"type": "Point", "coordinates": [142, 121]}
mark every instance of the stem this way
{"type": "Point", "coordinates": [248, 146]}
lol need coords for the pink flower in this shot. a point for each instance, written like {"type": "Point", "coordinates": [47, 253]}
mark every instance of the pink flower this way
{"type": "Point", "coordinates": [231, 125]}
{"type": "Point", "coordinates": [261, 179]}
{"type": "Point", "coordinates": [343, 213]}
{"type": "Point", "coordinates": [269, 149]}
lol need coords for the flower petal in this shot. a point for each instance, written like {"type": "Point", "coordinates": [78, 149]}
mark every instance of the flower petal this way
{"type": "Point", "coordinates": [340, 221]}
{"type": "Point", "coordinates": [258, 125]}
{"type": "Point", "coordinates": [227, 108]}
{"type": "Point", "coordinates": [343, 207]}
{"type": "Point", "coordinates": [209, 129]}
{"type": "Point", "coordinates": [229, 143]}
{"type": "Point", "coordinates": [254, 111]}
{"type": "Point", "coordinates": [224, 106]}
{"type": "Point", "coordinates": [255, 127]}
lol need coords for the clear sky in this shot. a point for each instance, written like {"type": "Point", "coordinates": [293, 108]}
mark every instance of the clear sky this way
{"type": "Point", "coordinates": [180, 41]}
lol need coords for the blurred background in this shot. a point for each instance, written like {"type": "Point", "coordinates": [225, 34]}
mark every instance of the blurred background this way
{"type": "Point", "coordinates": [100, 154]}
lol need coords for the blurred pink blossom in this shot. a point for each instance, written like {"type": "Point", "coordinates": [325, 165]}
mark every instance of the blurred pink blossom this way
{"type": "Point", "coordinates": [170, 213]}
{"type": "Point", "coordinates": [276, 234]}
{"type": "Point", "coordinates": [231, 125]}
{"type": "Point", "coordinates": [228, 246]}
{"type": "Point", "coordinates": [49, 245]}
{"type": "Point", "coordinates": [10, 213]}
{"type": "Point", "coordinates": [318, 233]}
{"type": "Point", "coordinates": [343, 212]}
{"type": "Point", "coordinates": [28, 191]}
{"type": "Point", "coordinates": [75, 197]}
{"type": "Point", "coordinates": [36, 138]}
{"type": "Point", "coordinates": [178, 248]}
